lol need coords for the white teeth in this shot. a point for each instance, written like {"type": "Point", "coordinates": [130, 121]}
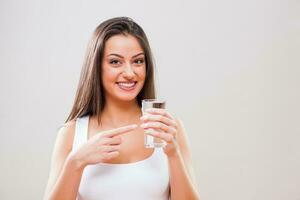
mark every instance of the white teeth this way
{"type": "Point", "coordinates": [127, 84]}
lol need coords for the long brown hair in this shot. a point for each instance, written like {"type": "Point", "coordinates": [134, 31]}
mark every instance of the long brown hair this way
{"type": "Point", "coordinates": [89, 98]}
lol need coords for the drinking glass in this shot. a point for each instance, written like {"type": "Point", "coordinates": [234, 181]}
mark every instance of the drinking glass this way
{"type": "Point", "coordinates": [149, 140]}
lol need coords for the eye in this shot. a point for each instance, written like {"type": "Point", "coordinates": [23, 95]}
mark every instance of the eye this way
{"type": "Point", "coordinates": [114, 62]}
{"type": "Point", "coordinates": [139, 61]}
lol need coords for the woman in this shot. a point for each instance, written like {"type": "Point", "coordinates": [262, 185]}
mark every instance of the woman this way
{"type": "Point", "coordinates": [99, 152]}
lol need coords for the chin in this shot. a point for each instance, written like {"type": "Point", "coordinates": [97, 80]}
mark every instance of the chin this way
{"type": "Point", "coordinates": [126, 97]}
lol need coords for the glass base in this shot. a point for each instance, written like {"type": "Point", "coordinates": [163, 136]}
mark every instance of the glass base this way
{"type": "Point", "coordinates": [152, 142]}
{"type": "Point", "coordinates": [155, 145]}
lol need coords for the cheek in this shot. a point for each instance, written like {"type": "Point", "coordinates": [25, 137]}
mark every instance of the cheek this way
{"type": "Point", "coordinates": [109, 77]}
{"type": "Point", "coordinates": [109, 74]}
{"type": "Point", "coordinates": [142, 73]}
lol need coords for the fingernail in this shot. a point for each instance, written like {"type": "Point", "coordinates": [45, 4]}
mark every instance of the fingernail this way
{"type": "Point", "coordinates": [144, 117]}
{"type": "Point", "coordinates": [154, 133]}
{"type": "Point", "coordinates": [144, 125]}
{"type": "Point", "coordinates": [133, 126]}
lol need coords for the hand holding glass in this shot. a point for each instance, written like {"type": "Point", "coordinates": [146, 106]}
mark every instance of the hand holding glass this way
{"type": "Point", "coordinates": [150, 141]}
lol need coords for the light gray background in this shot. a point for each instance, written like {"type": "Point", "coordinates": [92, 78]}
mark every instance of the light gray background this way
{"type": "Point", "coordinates": [228, 69]}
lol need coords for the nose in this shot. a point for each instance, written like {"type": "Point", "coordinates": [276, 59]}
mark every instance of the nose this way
{"type": "Point", "coordinates": [128, 71]}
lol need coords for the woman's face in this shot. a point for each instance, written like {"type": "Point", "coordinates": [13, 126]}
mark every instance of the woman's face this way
{"type": "Point", "coordinates": [123, 68]}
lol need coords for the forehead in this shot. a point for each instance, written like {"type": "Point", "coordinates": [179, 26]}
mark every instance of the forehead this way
{"type": "Point", "coordinates": [125, 45]}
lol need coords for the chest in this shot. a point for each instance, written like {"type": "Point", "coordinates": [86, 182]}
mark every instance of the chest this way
{"type": "Point", "coordinates": [132, 147]}
{"type": "Point", "coordinates": [147, 180]}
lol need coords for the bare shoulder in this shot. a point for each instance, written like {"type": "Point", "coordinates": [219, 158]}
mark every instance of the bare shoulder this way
{"type": "Point", "coordinates": [65, 136]}
{"type": "Point", "coordinates": [63, 143]}
{"type": "Point", "coordinates": [62, 148]}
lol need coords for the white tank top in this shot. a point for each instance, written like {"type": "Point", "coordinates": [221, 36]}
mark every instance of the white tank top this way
{"type": "Point", "coordinates": [142, 180]}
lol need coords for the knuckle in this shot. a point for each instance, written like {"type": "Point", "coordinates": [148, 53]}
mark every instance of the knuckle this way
{"type": "Point", "coordinates": [169, 138]}
{"type": "Point", "coordinates": [99, 136]}
{"type": "Point", "coordinates": [106, 157]}
{"type": "Point", "coordinates": [102, 141]}
{"type": "Point", "coordinates": [100, 148]}
{"type": "Point", "coordinates": [156, 133]}
{"type": "Point", "coordinates": [104, 133]}
{"type": "Point", "coordinates": [175, 124]}
{"type": "Point", "coordinates": [167, 128]}
{"type": "Point", "coordinates": [118, 140]}
{"type": "Point", "coordinates": [110, 155]}
{"type": "Point", "coordinates": [160, 125]}
{"type": "Point", "coordinates": [152, 132]}
{"type": "Point", "coordinates": [103, 148]}
{"type": "Point", "coordinates": [173, 130]}
{"type": "Point", "coordinates": [109, 141]}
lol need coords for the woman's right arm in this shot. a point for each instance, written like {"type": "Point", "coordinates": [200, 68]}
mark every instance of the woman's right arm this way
{"type": "Point", "coordinates": [65, 171]}
{"type": "Point", "coordinates": [67, 166]}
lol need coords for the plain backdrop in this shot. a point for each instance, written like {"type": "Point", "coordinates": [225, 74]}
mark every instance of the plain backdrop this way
{"type": "Point", "coordinates": [229, 69]}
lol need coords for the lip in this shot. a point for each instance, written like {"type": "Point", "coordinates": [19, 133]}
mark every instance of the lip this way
{"type": "Point", "coordinates": [124, 88]}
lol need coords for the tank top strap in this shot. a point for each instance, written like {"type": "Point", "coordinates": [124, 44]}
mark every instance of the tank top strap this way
{"type": "Point", "coordinates": [81, 131]}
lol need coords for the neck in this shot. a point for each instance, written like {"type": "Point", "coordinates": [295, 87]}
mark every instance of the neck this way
{"type": "Point", "coordinates": [120, 113]}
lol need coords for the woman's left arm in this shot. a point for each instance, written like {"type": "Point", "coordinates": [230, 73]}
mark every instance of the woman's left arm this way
{"type": "Point", "coordinates": [182, 176]}
{"type": "Point", "coordinates": [182, 179]}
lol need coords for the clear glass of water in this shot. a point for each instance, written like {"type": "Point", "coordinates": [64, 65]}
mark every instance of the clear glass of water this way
{"type": "Point", "coordinates": [149, 140]}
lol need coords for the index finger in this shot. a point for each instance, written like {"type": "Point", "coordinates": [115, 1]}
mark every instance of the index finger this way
{"type": "Point", "coordinates": [160, 111]}
{"type": "Point", "coordinates": [120, 130]}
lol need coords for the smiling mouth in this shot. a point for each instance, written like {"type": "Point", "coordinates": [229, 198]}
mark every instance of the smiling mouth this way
{"type": "Point", "coordinates": [127, 85]}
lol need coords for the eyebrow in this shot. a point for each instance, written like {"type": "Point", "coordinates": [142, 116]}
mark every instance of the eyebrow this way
{"type": "Point", "coordinates": [114, 54]}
